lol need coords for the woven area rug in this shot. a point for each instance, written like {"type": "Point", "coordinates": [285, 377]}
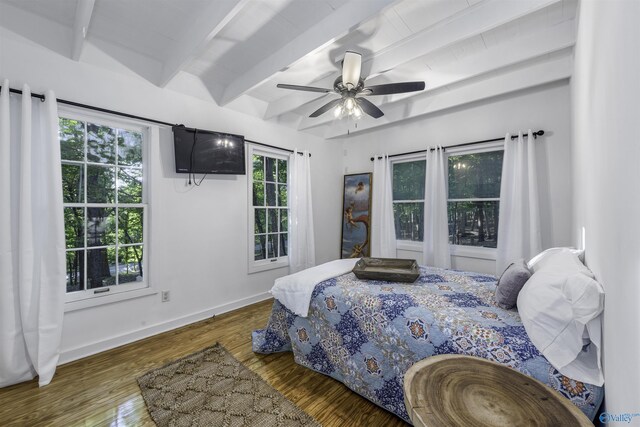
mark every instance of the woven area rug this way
{"type": "Point", "coordinates": [212, 388]}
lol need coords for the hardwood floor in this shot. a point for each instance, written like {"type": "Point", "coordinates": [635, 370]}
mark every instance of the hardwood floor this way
{"type": "Point", "coordinates": [101, 390]}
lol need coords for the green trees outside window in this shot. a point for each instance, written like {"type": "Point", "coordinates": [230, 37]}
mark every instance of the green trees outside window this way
{"type": "Point", "coordinates": [104, 210]}
{"type": "Point", "coordinates": [408, 199]}
{"type": "Point", "coordinates": [473, 198]}
{"type": "Point", "coordinates": [271, 208]}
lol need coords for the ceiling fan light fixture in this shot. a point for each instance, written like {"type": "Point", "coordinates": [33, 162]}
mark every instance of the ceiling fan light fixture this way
{"type": "Point", "coordinates": [349, 104]}
{"type": "Point", "coordinates": [351, 68]}
{"type": "Point", "coordinates": [350, 86]}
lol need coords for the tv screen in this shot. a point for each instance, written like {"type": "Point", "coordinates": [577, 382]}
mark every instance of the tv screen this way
{"type": "Point", "coordinates": [203, 151]}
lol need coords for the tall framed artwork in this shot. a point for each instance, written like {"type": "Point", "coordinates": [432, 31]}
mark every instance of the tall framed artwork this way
{"type": "Point", "coordinates": [356, 216]}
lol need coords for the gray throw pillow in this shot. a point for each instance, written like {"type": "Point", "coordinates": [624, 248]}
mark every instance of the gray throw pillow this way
{"type": "Point", "coordinates": [511, 282]}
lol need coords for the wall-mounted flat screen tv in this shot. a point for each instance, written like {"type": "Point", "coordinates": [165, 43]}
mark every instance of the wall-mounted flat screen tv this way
{"type": "Point", "coordinates": [208, 152]}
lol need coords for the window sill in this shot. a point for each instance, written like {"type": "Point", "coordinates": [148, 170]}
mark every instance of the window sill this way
{"type": "Point", "coordinates": [408, 245]}
{"type": "Point", "coordinates": [473, 252]}
{"type": "Point", "coordinates": [267, 265]}
{"type": "Point", "coordinates": [108, 299]}
{"type": "Point", "coordinates": [455, 250]}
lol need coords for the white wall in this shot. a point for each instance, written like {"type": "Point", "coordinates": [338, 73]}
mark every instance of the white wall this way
{"type": "Point", "coordinates": [606, 89]}
{"type": "Point", "coordinates": [198, 236]}
{"type": "Point", "coordinates": [547, 107]}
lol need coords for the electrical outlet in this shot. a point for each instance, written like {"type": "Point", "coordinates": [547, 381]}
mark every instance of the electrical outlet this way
{"type": "Point", "coordinates": [165, 296]}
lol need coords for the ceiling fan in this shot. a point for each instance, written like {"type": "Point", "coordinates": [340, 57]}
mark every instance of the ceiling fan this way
{"type": "Point", "coordinates": [350, 86]}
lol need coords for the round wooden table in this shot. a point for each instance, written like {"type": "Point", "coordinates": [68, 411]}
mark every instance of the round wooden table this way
{"type": "Point", "coordinates": [456, 390]}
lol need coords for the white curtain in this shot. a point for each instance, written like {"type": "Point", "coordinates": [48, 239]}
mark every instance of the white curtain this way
{"type": "Point", "coordinates": [435, 245]}
{"type": "Point", "coordinates": [32, 243]}
{"type": "Point", "coordinates": [519, 221]}
{"type": "Point", "coordinates": [383, 231]}
{"type": "Point", "coordinates": [302, 253]}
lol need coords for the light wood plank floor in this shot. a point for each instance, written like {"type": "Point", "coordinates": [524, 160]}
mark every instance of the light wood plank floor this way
{"type": "Point", "coordinates": [101, 390]}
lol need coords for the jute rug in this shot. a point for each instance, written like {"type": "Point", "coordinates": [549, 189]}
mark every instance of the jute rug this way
{"type": "Point", "coordinates": [212, 388]}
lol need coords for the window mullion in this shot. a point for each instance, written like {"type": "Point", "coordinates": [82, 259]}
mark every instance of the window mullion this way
{"type": "Point", "coordinates": [85, 270]}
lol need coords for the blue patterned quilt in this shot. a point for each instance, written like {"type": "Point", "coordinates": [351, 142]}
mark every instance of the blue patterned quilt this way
{"type": "Point", "coordinates": [367, 334]}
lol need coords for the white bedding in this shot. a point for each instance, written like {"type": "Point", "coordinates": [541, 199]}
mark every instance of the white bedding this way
{"type": "Point", "coordinates": [294, 291]}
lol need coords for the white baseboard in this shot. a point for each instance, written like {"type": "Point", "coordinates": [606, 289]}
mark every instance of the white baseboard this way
{"type": "Point", "coordinates": [107, 344]}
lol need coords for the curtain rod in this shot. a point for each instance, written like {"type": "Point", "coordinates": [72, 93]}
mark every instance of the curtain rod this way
{"type": "Point", "coordinates": [273, 146]}
{"type": "Point", "coordinates": [130, 116]}
{"type": "Point", "coordinates": [535, 135]}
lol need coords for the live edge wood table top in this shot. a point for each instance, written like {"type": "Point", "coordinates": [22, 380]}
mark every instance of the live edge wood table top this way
{"type": "Point", "coordinates": [456, 390]}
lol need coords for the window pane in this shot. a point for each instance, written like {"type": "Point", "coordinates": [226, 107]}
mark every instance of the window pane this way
{"type": "Point", "coordinates": [272, 220]}
{"type": "Point", "coordinates": [129, 185]}
{"type": "Point", "coordinates": [408, 180]}
{"type": "Point", "coordinates": [475, 175]}
{"type": "Point", "coordinates": [270, 169]}
{"type": "Point", "coordinates": [101, 144]}
{"type": "Point", "coordinates": [71, 139]}
{"type": "Point", "coordinates": [283, 243]}
{"type": "Point", "coordinates": [258, 168]}
{"type": "Point", "coordinates": [101, 184]}
{"type": "Point", "coordinates": [74, 227]}
{"type": "Point", "coordinates": [282, 171]}
{"type": "Point", "coordinates": [101, 267]}
{"type": "Point", "coordinates": [474, 223]}
{"type": "Point", "coordinates": [271, 194]}
{"type": "Point", "coordinates": [282, 195]}
{"type": "Point", "coordinates": [101, 226]}
{"type": "Point", "coordinates": [72, 183]}
{"type": "Point", "coordinates": [129, 148]}
{"type": "Point", "coordinates": [283, 220]}
{"type": "Point", "coordinates": [130, 225]}
{"type": "Point", "coordinates": [75, 271]}
{"type": "Point", "coordinates": [130, 264]}
{"type": "Point", "coordinates": [409, 219]}
{"type": "Point", "coordinates": [260, 248]}
{"type": "Point", "coordinates": [258, 194]}
{"type": "Point", "coordinates": [260, 221]}
{"type": "Point", "coordinates": [272, 246]}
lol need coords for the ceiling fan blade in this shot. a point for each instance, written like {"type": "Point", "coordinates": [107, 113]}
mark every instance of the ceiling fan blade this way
{"type": "Point", "coordinates": [391, 88]}
{"type": "Point", "coordinates": [326, 107]}
{"type": "Point", "coordinates": [351, 69]}
{"type": "Point", "coordinates": [303, 88]}
{"type": "Point", "coordinates": [368, 107]}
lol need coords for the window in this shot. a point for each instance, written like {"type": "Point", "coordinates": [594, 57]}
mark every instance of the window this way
{"type": "Point", "coordinates": [269, 210]}
{"type": "Point", "coordinates": [105, 210]}
{"type": "Point", "coordinates": [408, 199]}
{"type": "Point", "coordinates": [474, 198]}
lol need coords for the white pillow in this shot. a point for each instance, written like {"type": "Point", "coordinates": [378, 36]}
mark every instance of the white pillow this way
{"type": "Point", "coordinates": [561, 260]}
{"type": "Point", "coordinates": [557, 310]}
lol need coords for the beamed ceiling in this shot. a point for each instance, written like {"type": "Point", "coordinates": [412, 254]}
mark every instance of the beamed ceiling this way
{"type": "Point", "coordinates": [464, 50]}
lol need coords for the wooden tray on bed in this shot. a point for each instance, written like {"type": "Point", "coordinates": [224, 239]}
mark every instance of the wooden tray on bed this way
{"type": "Point", "coordinates": [390, 269]}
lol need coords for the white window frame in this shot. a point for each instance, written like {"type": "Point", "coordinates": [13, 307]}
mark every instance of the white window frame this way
{"type": "Point", "coordinates": [88, 297]}
{"type": "Point", "coordinates": [408, 245]}
{"type": "Point", "coordinates": [465, 250]}
{"type": "Point", "coordinates": [273, 263]}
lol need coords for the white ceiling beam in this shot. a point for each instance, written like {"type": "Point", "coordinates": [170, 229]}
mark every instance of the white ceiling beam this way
{"type": "Point", "coordinates": [467, 23]}
{"type": "Point", "coordinates": [323, 33]}
{"type": "Point", "coordinates": [45, 32]}
{"type": "Point", "coordinates": [550, 71]}
{"type": "Point", "coordinates": [215, 16]}
{"type": "Point", "coordinates": [540, 43]}
{"type": "Point", "coordinates": [84, 10]}
{"type": "Point", "coordinates": [470, 22]}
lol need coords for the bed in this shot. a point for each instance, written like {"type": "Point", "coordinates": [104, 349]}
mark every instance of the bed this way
{"type": "Point", "coordinates": [366, 334]}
